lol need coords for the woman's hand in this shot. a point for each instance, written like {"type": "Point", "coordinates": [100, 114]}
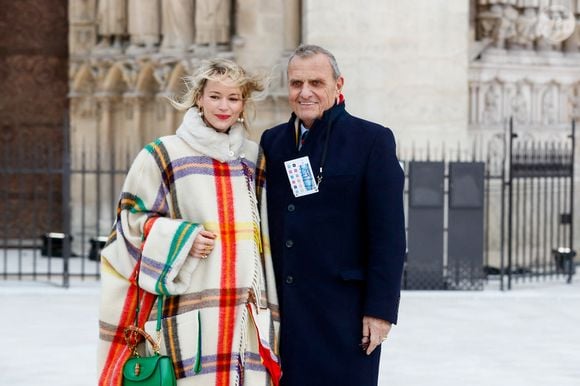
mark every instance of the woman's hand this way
{"type": "Point", "coordinates": [203, 244]}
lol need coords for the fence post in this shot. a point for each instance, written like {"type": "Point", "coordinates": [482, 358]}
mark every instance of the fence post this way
{"type": "Point", "coordinates": [512, 135]}
{"type": "Point", "coordinates": [573, 138]}
{"type": "Point", "coordinates": [572, 160]}
{"type": "Point", "coordinates": [66, 202]}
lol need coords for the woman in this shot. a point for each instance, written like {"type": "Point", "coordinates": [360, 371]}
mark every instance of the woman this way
{"type": "Point", "coordinates": [188, 229]}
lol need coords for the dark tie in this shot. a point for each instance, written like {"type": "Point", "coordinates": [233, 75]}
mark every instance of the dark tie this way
{"type": "Point", "coordinates": [302, 138]}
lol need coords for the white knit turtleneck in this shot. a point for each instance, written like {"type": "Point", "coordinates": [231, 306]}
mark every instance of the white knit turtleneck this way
{"type": "Point", "coordinates": [223, 147]}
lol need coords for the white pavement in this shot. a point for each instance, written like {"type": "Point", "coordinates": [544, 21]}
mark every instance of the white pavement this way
{"type": "Point", "coordinates": [529, 336]}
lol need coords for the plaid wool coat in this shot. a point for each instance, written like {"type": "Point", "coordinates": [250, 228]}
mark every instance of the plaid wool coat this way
{"type": "Point", "coordinates": [177, 186]}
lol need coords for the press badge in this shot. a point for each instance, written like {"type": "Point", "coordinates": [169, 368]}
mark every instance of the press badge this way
{"type": "Point", "coordinates": [301, 177]}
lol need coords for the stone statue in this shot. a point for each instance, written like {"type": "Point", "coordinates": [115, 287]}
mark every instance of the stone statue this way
{"type": "Point", "coordinates": [212, 22]}
{"type": "Point", "coordinates": [177, 24]}
{"type": "Point", "coordinates": [520, 107]}
{"type": "Point", "coordinates": [144, 25]}
{"type": "Point", "coordinates": [526, 30]}
{"type": "Point", "coordinates": [506, 29]}
{"type": "Point", "coordinates": [491, 112]}
{"type": "Point", "coordinates": [548, 107]}
{"type": "Point", "coordinates": [112, 23]}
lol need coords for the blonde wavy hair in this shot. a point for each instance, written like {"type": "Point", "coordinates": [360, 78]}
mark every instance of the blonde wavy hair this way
{"type": "Point", "coordinates": [219, 69]}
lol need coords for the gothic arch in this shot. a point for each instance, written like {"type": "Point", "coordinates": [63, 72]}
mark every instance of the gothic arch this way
{"type": "Point", "coordinates": [83, 81]}
{"type": "Point", "coordinates": [114, 81]}
{"type": "Point", "coordinates": [146, 83]}
{"type": "Point", "coordinates": [175, 83]}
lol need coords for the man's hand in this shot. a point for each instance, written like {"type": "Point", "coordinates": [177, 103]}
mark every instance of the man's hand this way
{"type": "Point", "coordinates": [374, 332]}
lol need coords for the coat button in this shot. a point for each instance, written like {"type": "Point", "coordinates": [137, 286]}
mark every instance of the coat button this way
{"type": "Point", "coordinates": [231, 153]}
{"type": "Point", "coordinates": [291, 208]}
{"type": "Point", "coordinates": [289, 243]}
{"type": "Point", "coordinates": [289, 279]}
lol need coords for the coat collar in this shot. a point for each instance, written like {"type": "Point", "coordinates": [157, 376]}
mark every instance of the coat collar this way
{"type": "Point", "coordinates": [207, 141]}
{"type": "Point", "coordinates": [327, 116]}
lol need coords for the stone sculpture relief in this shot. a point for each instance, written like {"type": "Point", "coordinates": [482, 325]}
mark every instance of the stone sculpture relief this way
{"type": "Point", "coordinates": [530, 104]}
{"type": "Point", "coordinates": [528, 24]}
{"type": "Point", "coordinates": [491, 108]}
{"type": "Point", "coordinates": [519, 107]}
{"type": "Point", "coordinates": [556, 23]}
{"type": "Point", "coordinates": [549, 115]}
{"type": "Point", "coordinates": [137, 27]}
{"type": "Point", "coordinates": [526, 30]}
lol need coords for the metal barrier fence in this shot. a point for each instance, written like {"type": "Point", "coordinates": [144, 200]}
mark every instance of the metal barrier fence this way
{"type": "Point", "coordinates": [540, 209]}
{"type": "Point", "coordinates": [445, 214]}
{"type": "Point", "coordinates": [504, 215]}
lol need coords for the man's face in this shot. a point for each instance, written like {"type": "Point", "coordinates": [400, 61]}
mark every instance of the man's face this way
{"type": "Point", "coordinates": [311, 87]}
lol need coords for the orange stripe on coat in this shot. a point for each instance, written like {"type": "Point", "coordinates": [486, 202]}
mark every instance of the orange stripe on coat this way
{"type": "Point", "coordinates": [227, 301]}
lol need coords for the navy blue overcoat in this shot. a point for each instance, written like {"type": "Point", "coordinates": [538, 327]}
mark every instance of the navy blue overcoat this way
{"type": "Point", "coordinates": [338, 254]}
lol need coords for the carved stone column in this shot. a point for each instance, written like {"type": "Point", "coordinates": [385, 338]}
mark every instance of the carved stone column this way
{"type": "Point", "coordinates": [574, 102]}
{"type": "Point", "coordinates": [107, 104]}
{"type": "Point", "coordinates": [473, 92]}
{"type": "Point", "coordinates": [135, 106]}
{"type": "Point", "coordinates": [291, 24]}
{"type": "Point", "coordinates": [104, 135]}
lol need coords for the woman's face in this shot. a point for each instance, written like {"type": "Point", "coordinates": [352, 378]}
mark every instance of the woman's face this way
{"type": "Point", "coordinates": [221, 103]}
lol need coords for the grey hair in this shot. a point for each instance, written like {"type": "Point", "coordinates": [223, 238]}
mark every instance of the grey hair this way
{"type": "Point", "coordinates": [308, 50]}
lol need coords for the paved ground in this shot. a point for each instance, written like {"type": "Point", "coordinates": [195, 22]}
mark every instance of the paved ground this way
{"type": "Point", "coordinates": [529, 336]}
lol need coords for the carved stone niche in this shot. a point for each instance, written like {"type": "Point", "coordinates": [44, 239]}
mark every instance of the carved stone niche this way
{"type": "Point", "coordinates": [518, 100]}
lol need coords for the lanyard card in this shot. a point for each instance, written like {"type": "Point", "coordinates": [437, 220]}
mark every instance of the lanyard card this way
{"type": "Point", "coordinates": [301, 177]}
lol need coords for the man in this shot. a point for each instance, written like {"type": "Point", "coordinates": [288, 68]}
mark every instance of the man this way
{"type": "Point", "coordinates": [335, 212]}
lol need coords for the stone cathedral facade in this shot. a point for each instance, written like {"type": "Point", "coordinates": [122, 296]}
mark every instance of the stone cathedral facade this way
{"type": "Point", "coordinates": [450, 71]}
{"type": "Point", "coordinates": [128, 56]}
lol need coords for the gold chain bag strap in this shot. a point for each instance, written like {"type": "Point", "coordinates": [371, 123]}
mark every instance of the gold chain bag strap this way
{"type": "Point", "coordinates": [155, 370]}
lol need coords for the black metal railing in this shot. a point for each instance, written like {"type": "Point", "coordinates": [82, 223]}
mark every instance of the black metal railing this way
{"type": "Point", "coordinates": [514, 198]}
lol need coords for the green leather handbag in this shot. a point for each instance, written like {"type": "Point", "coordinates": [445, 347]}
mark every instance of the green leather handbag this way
{"type": "Point", "coordinates": [156, 370]}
